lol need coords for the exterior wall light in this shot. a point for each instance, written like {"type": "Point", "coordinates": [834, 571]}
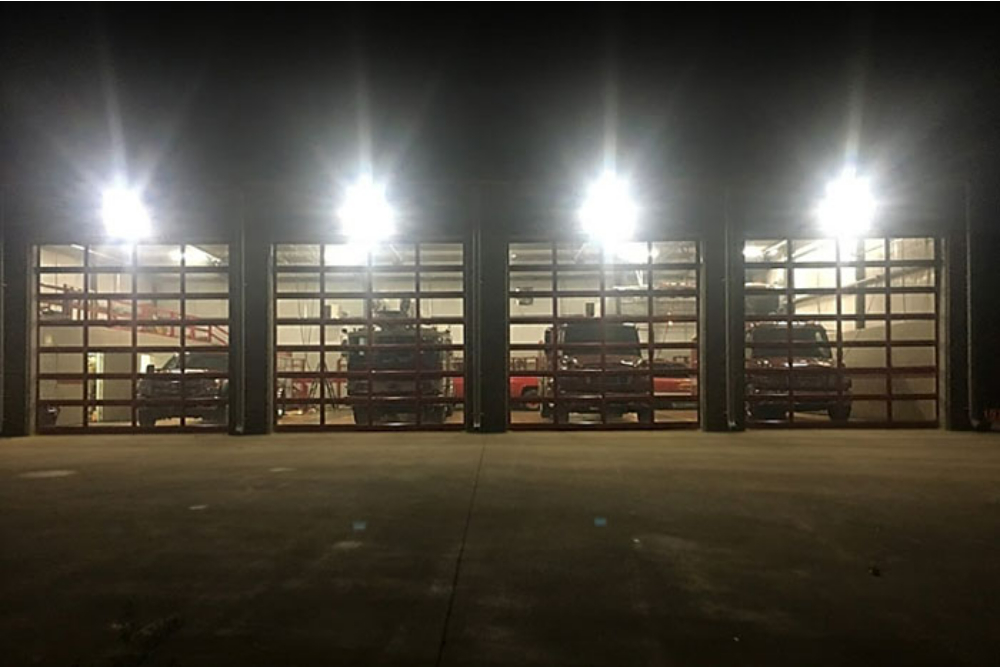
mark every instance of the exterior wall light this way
{"type": "Point", "coordinates": [847, 209]}
{"type": "Point", "coordinates": [125, 217]}
{"type": "Point", "coordinates": [608, 213]}
{"type": "Point", "coordinates": [366, 217]}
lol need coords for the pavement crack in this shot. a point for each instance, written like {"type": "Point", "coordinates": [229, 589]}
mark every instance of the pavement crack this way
{"type": "Point", "coordinates": [458, 559]}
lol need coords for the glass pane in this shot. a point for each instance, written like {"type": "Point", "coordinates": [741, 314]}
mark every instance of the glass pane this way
{"type": "Point", "coordinates": [297, 308]}
{"type": "Point", "coordinates": [916, 277]}
{"type": "Point", "coordinates": [912, 330]}
{"type": "Point", "coordinates": [815, 304]}
{"type": "Point", "coordinates": [153, 283]}
{"type": "Point", "coordinates": [339, 309]}
{"type": "Point", "coordinates": [206, 282]}
{"type": "Point", "coordinates": [60, 256]}
{"type": "Point", "coordinates": [589, 307]}
{"type": "Point", "coordinates": [344, 255]}
{"type": "Point", "coordinates": [663, 252]}
{"type": "Point", "coordinates": [101, 335]}
{"type": "Point", "coordinates": [394, 281]}
{"type": "Point", "coordinates": [159, 255]}
{"type": "Point", "coordinates": [438, 281]}
{"type": "Point", "coordinates": [431, 254]}
{"type": "Point", "coordinates": [815, 278]}
{"type": "Point", "coordinates": [60, 336]}
{"type": "Point", "coordinates": [631, 252]}
{"type": "Point", "coordinates": [294, 282]}
{"type": "Point", "coordinates": [442, 308]}
{"type": "Point", "coordinates": [578, 253]}
{"type": "Point", "coordinates": [814, 250]}
{"type": "Point", "coordinates": [116, 255]}
{"type": "Point", "coordinates": [206, 335]}
{"type": "Point", "coordinates": [60, 283]}
{"type": "Point", "coordinates": [345, 282]}
{"type": "Point", "coordinates": [60, 363]}
{"type": "Point", "coordinates": [207, 308]}
{"type": "Point", "coordinates": [205, 255]}
{"type": "Point", "coordinates": [913, 248]}
{"type": "Point", "coordinates": [672, 279]}
{"type": "Point", "coordinates": [298, 335]}
{"type": "Point", "coordinates": [913, 303]}
{"type": "Point", "coordinates": [59, 309]}
{"type": "Point", "coordinates": [392, 254]}
{"type": "Point", "coordinates": [109, 309]}
{"type": "Point", "coordinates": [530, 253]}
{"type": "Point", "coordinates": [296, 255]}
{"type": "Point", "coordinates": [113, 282]}
{"type": "Point", "coordinates": [530, 281]}
{"type": "Point", "coordinates": [578, 280]}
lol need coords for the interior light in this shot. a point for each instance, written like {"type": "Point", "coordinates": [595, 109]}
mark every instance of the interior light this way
{"type": "Point", "coordinates": [609, 213]}
{"type": "Point", "coordinates": [125, 216]}
{"type": "Point", "coordinates": [366, 217]}
{"type": "Point", "coordinates": [848, 207]}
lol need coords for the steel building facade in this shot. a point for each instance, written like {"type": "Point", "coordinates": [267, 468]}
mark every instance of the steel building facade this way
{"type": "Point", "coordinates": [247, 312]}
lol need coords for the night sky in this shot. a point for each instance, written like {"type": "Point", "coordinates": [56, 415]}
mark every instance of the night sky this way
{"type": "Point", "coordinates": [240, 93]}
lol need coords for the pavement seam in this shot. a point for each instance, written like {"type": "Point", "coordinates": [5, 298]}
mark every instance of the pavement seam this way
{"type": "Point", "coordinates": [458, 560]}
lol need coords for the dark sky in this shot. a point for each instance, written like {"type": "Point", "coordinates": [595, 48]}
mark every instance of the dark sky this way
{"type": "Point", "coordinates": [232, 93]}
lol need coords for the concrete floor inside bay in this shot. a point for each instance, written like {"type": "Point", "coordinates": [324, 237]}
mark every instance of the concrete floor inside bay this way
{"type": "Point", "coordinates": [836, 547]}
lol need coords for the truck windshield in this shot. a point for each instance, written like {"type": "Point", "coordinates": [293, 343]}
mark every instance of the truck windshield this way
{"type": "Point", "coordinates": [591, 332]}
{"type": "Point", "coordinates": [200, 361]}
{"type": "Point", "coordinates": [802, 336]}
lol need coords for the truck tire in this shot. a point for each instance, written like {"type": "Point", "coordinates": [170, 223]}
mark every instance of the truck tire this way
{"type": "Point", "coordinates": [839, 412]}
{"type": "Point", "coordinates": [434, 415]}
{"type": "Point", "coordinates": [645, 415]}
{"type": "Point", "coordinates": [562, 415]}
{"type": "Point", "coordinates": [530, 393]}
{"type": "Point", "coordinates": [360, 415]}
{"type": "Point", "coordinates": [146, 419]}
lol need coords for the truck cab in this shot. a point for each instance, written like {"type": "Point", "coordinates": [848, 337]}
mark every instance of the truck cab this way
{"type": "Point", "coordinates": [793, 368]}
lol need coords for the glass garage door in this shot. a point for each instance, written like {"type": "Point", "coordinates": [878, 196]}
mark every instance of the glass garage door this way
{"type": "Point", "coordinates": [369, 338]}
{"type": "Point", "coordinates": [842, 333]}
{"type": "Point", "coordinates": [131, 337]}
{"type": "Point", "coordinates": [603, 338]}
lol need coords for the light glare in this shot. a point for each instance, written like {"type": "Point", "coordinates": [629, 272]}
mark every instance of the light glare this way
{"type": "Point", "coordinates": [125, 216]}
{"type": "Point", "coordinates": [366, 216]}
{"type": "Point", "coordinates": [608, 213]}
{"type": "Point", "coordinates": [848, 207]}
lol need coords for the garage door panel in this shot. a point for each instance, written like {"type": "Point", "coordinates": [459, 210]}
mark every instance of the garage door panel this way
{"type": "Point", "coordinates": [603, 337]}
{"type": "Point", "coordinates": [132, 305]}
{"type": "Point", "coordinates": [369, 368]}
{"type": "Point", "coordinates": [840, 331]}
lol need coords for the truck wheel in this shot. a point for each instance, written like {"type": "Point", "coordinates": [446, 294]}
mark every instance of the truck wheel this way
{"type": "Point", "coordinates": [546, 411]}
{"type": "Point", "coordinates": [360, 415]}
{"type": "Point", "coordinates": [146, 419]}
{"type": "Point", "coordinates": [562, 415]}
{"type": "Point", "coordinates": [840, 412]}
{"type": "Point", "coordinates": [530, 393]}
{"type": "Point", "coordinates": [434, 415]}
{"type": "Point", "coordinates": [645, 415]}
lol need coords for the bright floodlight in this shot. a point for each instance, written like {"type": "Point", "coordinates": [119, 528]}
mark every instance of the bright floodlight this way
{"type": "Point", "coordinates": [366, 216]}
{"type": "Point", "coordinates": [608, 213]}
{"type": "Point", "coordinates": [124, 215]}
{"type": "Point", "coordinates": [848, 208]}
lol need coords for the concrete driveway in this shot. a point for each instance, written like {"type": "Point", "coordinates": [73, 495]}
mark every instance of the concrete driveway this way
{"type": "Point", "coordinates": [647, 548]}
